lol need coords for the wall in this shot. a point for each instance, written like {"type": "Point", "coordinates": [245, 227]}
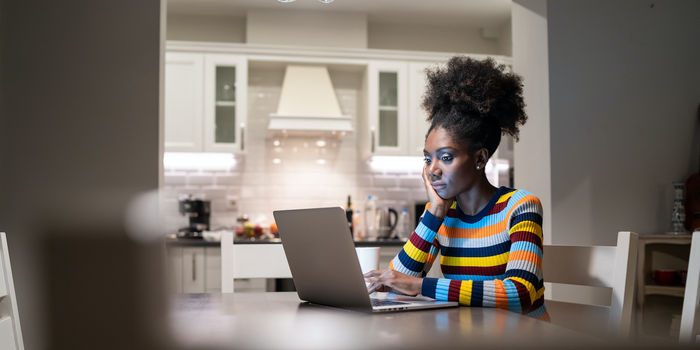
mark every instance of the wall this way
{"type": "Point", "coordinates": [79, 126]}
{"type": "Point", "coordinates": [624, 98]}
{"type": "Point", "coordinates": [374, 35]}
{"type": "Point", "coordinates": [532, 153]}
{"type": "Point", "coordinates": [306, 28]}
{"type": "Point", "coordinates": [206, 28]}
{"type": "Point", "coordinates": [429, 38]}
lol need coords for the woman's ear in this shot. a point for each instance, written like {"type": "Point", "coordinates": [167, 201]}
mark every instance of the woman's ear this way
{"type": "Point", "coordinates": [482, 157]}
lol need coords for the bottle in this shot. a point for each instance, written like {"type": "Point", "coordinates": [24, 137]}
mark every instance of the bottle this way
{"type": "Point", "coordinates": [678, 211]}
{"type": "Point", "coordinates": [370, 218]}
{"type": "Point", "coordinates": [404, 226]}
{"type": "Point", "coordinates": [348, 215]}
{"type": "Point", "coordinates": [357, 232]}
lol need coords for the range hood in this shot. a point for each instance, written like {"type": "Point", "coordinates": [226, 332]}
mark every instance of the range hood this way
{"type": "Point", "coordinates": [308, 103]}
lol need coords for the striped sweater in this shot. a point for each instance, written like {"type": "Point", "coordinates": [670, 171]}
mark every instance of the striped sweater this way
{"type": "Point", "coordinates": [492, 259]}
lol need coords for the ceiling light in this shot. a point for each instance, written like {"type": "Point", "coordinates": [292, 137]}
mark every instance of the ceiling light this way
{"type": "Point", "coordinates": [320, 161]}
{"type": "Point", "coordinates": [326, 1]}
{"type": "Point", "coordinates": [321, 143]}
{"type": "Point", "coordinates": [276, 143]}
{"type": "Point", "coordinates": [286, 0]}
{"type": "Point", "coordinates": [277, 160]}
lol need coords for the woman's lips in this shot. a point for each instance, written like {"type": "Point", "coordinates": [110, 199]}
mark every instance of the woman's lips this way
{"type": "Point", "coordinates": [438, 186]}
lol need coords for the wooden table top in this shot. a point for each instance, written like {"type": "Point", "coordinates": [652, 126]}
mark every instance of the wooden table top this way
{"type": "Point", "coordinates": [282, 321]}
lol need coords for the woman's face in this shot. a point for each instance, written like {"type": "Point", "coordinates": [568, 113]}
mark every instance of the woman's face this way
{"type": "Point", "coordinates": [451, 170]}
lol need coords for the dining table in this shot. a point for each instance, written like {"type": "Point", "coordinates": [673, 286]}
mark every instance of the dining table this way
{"type": "Point", "coordinates": [280, 320]}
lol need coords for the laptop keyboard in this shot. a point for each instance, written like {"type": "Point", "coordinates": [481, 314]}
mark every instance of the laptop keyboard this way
{"type": "Point", "coordinates": [380, 302]}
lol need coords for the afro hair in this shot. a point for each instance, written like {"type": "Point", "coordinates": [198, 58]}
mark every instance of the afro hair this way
{"type": "Point", "coordinates": [475, 101]}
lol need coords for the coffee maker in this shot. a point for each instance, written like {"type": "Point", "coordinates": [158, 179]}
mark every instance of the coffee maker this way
{"type": "Point", "coordinates": [198, 211]}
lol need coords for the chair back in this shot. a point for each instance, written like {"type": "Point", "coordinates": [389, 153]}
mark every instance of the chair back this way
{"type": "Point", "coordinates": [599, 266]}
{"type": "Point", "coordinates": [10, 330]}
{"type": "Point", "coordinates": [263, 260]}
{"type": "Point", "coordinates": [690, 324]}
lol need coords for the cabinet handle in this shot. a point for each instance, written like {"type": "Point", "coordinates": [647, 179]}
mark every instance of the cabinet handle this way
{"type": "Point", "coordinates": [194, 266]}
{"type": "Point", "coordinates": [242, 137]}
{"type": "Point", "coordinates": [372, 140]}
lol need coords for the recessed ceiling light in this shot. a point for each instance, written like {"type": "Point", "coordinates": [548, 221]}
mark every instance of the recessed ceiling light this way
{"type": "Point", "coordinates": [286, 0]}
{"type": "Point", "coordinates": [320, 161]}
{"type": "Point", "coordinates": [276, 143]}
{"type": "Point", "coordinates": [277, 160]}
{"type": "Point", "coordinates": [321, 143]}
{"type": "Point", "coordinates": [326, 1]}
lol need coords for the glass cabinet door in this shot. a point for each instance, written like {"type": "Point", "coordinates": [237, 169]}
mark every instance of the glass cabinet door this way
{"type": "Point", "coordinates": [387, 111]}
{"type": "Point", "coordinates": [226, 79]}
{"type": "Point", "coordinates": [225, 114]}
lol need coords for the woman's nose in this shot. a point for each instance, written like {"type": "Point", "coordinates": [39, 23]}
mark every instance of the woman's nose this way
{"type": "Point", "coordinates": [434, 170]}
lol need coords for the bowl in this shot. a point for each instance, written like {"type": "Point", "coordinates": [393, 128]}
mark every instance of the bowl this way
{"type": "Point", "coordinates": [665, 277]}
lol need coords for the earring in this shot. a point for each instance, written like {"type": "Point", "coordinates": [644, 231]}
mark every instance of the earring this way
{"type": "Point", "coordinates": [477, 167]}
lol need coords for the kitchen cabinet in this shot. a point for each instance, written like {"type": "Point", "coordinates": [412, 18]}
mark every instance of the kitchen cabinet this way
{"type": "Point", "coordinates": [388, 107]}
{"type": "Point", "coordinates": [205, 102]}
{"type": "Point", "coordinates": [184, 109]}
{"type": "Point", "coordinates": [417, 124]}
{"type": "Point", "coordinates": [397, 122]}
{"type": "Point", "coordinates": [194, 269]}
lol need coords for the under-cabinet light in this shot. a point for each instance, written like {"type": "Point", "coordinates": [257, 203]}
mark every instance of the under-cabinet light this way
{"type": "Point", "coordinates": [198, 161]}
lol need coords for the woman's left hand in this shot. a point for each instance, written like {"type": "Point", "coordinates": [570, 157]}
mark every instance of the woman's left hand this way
{"type": "Point", "coordinates": [393, 281]}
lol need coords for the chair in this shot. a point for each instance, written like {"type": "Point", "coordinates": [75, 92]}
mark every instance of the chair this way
{"type": "Point", "coordinates": [576, 307]}
{"type": "Point", "coordinates": [690, 325]}
{"type": "Point", "coordinates": [263, 260]}
{"type": "Point", "coordinates": [10, 330]}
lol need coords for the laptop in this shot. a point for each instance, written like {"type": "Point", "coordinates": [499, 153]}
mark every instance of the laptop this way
{"type": "Point", "coordinates": [325, 268]}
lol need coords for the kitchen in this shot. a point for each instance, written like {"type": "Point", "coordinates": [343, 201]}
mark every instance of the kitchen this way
{"type": "Point", "coordinates": [281, 160]}
{"type": "Point", "coordinates": [62, 164]}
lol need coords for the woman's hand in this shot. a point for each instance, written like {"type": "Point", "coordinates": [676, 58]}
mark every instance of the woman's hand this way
{"type": "Point", "coordinates": [438, 205]}
{"type": "Point", "coordinates": [393, 281]}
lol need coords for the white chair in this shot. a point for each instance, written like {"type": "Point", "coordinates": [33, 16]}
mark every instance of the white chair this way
{"type": "Point", "coordinates": [10, 331]}
{"type": "Point", "coordinates": [575, 307]}
{"type": "Point", "coordinates": [263, 260]}
{"type": "Point", "coordinates": [690, 325]}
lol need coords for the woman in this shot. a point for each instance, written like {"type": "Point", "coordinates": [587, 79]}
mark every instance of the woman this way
{"type": "Point", "coordinates": [489, 239]}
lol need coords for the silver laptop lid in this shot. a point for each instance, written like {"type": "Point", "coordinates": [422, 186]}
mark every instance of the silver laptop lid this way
{"type": "Point", "coordinates": [321, 255]}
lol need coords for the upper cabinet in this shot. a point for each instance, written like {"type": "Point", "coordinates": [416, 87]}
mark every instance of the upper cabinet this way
{"type": "Point", "coordinates": [205, 102]}
{"type": "Point", "coordinates": [387, 90]}
{"type": "Point", "coordinates": [417, 117]}
{"type": "Point", "coordinates": [397, 122]}
{"type": "Point", "coordinates": [184, 109]}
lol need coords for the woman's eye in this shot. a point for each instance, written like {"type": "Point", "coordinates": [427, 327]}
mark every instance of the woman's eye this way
{"type": "Point", "coordinates": [427, 160]}
{"type": "Point", "coordinates": [446, 158]}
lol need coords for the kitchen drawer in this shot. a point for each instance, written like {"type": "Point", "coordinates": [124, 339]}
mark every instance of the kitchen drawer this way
{"type": "Point", "coordinates": [7, 334]}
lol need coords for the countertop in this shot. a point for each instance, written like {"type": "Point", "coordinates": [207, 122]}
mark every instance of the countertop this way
{"type": "Point", "coordinates": [192, 242]}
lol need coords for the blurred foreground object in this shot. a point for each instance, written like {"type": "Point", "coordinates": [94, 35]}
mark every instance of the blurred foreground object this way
{"type": "Point", "coordinates": [10, 330]}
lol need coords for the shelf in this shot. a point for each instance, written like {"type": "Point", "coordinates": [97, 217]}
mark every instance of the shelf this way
{"type": "Point", "coordinates": [225, 104]}
{"type": "Point", "coordinates": [674, 291]}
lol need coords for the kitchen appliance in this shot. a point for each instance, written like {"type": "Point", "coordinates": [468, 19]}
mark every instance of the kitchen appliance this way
{"type": "Point", "coordinates": [385, 227]}
{"type": "Point", "coordinates": [198, 211]}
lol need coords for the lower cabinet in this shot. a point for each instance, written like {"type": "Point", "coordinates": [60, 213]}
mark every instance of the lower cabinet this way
{"type": "Point", "coordinates": [194, 269]}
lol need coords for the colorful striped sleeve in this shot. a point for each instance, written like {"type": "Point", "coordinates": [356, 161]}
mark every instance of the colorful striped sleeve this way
{"type": "Point", "coordinates": [522, 287]}
{"type": "Point", "coordinates": [418, 254]}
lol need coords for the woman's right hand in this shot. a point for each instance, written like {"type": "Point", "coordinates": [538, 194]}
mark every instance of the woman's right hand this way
{"type": "Point", "coordinates": [438, 205]}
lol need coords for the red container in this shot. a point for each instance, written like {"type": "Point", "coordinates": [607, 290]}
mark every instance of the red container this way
{"type": "Point", "coordinates": [665, 277]}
